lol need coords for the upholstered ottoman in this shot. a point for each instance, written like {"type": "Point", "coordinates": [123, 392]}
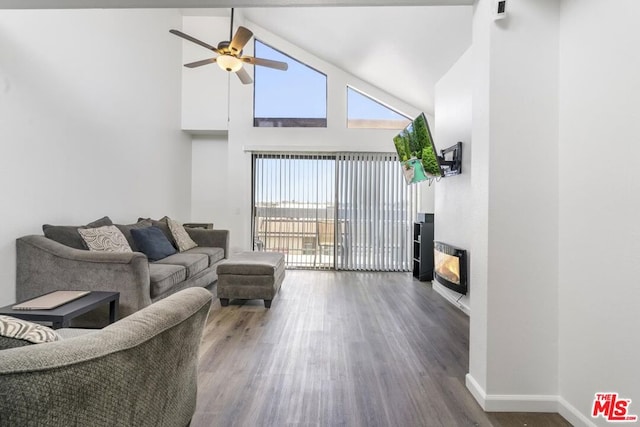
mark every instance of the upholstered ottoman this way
{"type": "Point", "coordinates": [250, 275]}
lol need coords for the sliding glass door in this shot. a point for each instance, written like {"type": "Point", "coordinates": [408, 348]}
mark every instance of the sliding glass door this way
{"type": "Point", "coordinates": [350, 211]}
{"type": "Point", "coordinates": [293, 197]}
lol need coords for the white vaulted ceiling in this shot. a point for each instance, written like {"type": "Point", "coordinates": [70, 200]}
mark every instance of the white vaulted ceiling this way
{"type": "Point", "coordinates": [402, 47]}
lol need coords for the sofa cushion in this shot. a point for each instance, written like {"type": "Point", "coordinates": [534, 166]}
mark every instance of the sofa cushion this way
{"type": "Point", "coordinates": [180, 236]}
{"type": "Point", "coordinates": [164, 277]}
{"type": "Point", "coordinates": [152, 242]}
{"type": "Point", "coordinates": [17, 333]}
{"type": "Point", "coordinates": [126, 230]}
{"type": "Point", "coordinates": [6, 343]}
{"type": "Point", "coordinates": [68, 234]}
{"type": "Point", "coordinates": [214, 254]}
{"type": "Point", "coordinates": [252, 263]}
{"type": "Point", "coordinates": [105, 239]}
{"type": "Point", "coordinates": [194, 263]}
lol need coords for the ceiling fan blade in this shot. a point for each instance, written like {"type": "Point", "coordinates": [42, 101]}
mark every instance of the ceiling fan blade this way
{"type": "Point", "coordinates": [240, 39]}
{"type": "Point", "coordinates": [200, 63]}
{"type": "Point", "coordinates": [193, 40]}
{"type": "Point", "coordinates": [266, 63]}
{"type": "Point", "coordinates": [244, 77]}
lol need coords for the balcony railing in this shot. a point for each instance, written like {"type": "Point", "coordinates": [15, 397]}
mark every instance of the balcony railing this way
{"type": "Point", "coordinates": [305, 242]}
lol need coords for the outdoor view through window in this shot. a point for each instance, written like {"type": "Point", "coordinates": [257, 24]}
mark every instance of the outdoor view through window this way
{"type": "Point", "coordinates": [293, 98]}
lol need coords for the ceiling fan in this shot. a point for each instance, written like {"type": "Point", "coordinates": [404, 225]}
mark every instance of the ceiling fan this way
{"type": "Point", "coordinates": [230, 56]}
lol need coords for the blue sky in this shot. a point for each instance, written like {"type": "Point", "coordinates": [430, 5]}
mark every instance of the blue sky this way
{"type": "Point", "coordinates": [299, 92]}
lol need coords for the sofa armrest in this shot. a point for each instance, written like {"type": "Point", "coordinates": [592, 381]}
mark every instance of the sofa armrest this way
{"type": "Point", "coordinates": [141, 371]}
{"type": "Point", "coordinates": [44, 265]}
{"type": "Point", "coordinates": [210, 238]}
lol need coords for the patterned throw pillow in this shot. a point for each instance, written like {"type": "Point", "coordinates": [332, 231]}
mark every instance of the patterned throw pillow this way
{"type": "Point", "coordinates": [19, 329]}
{"type": "Point", "coordinates": [180, 236]}
{"type": "Point", "coordinates": [105, 239]}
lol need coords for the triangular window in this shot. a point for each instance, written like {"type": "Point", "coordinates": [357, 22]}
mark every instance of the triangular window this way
{"type": "Point", "coordinates": [365, 112]}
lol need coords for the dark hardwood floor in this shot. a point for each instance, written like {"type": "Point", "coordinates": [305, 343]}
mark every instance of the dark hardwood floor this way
{"type": "Point", "coordinates": [342, 349]}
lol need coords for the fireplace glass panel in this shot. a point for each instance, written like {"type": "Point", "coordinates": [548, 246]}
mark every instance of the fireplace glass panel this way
{"type": "Point", "coordinates": [448, 267]}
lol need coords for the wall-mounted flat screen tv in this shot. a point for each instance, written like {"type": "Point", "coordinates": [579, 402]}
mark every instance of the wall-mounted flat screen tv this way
{"type": "Point", "coordinates": [416, 151]}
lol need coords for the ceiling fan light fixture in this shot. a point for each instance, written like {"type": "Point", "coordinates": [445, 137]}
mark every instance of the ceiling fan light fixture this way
{"type": "Point", "coordinates": [230, 56]}
{"type": "Point", "coordinates": [229, 63]}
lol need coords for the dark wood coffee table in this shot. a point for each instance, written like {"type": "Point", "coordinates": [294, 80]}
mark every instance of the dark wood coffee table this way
{"type": "Point", "coordinates": [62, 315]}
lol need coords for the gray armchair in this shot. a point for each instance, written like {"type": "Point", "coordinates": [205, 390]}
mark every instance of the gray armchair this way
{"type": "Point", "coordinates": [139, 371]}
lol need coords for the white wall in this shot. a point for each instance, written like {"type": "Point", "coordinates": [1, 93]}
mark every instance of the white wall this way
{"type": "Point", "coordinates": [89, 122]}
{"type": "Point", "coordinates": [210, 185]}
{"type": "Point", "coordinates": [480, 134]}
{"type": "Point", "coordinates": [454, 202]}
{"type": "Point", "coordinates": [205, 89]}
{"type": "Point", "coordinates": [523, 201]}
{"type": "Point", "coordinates": [599, 187]}
{"type": "Point", "coordinates": [514, 321]}
{"type": "Point", "coordinates": [233, 208]}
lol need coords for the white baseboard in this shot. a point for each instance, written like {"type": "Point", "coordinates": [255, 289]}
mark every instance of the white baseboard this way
{"type": "Point", "coordinates": [476, 391]}
{"type": "Point", "coordinates": [571, 414]}
{"type": "Point", "coordinates": [451, 297]}
{"type": "Point", "coordinates": [526, 403]}
{"type": "Point", "coordinates": [510, 402]}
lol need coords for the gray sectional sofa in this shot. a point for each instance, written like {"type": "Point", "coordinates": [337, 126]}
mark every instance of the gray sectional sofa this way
{"type": "Point", "coordinates": [44, 265]}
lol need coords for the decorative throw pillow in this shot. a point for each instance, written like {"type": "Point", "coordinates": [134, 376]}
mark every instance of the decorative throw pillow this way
{"type": "Point", "coordinates": [180, 236]}
{"type": "Point", "coordinates": [152, 242]}
{"type": "Point", "coordinates": [105, 239]}
{"type": "Point", "coordinates": [68, 234]}
{"type": "Point", "coordinates": [18, 332]}
{"type": "Point", "coordinates": [126, 230]}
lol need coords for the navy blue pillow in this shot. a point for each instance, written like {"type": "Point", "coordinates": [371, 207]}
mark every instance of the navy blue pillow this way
{"type": "Point", "coordinates": [152, 242]}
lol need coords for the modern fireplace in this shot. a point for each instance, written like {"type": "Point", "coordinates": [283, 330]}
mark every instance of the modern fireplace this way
{"type": "Point", "coordinates": [450, 266]}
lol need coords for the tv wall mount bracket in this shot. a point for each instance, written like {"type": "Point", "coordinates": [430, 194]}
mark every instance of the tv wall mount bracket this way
{"type": "Point", "coordinates": [451, 160]}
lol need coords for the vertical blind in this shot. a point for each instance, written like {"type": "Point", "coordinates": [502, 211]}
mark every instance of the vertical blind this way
{"type": "Point", "coordinates": [378, 209]}
{"type": "Point", "coordinates": [349, 211]}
